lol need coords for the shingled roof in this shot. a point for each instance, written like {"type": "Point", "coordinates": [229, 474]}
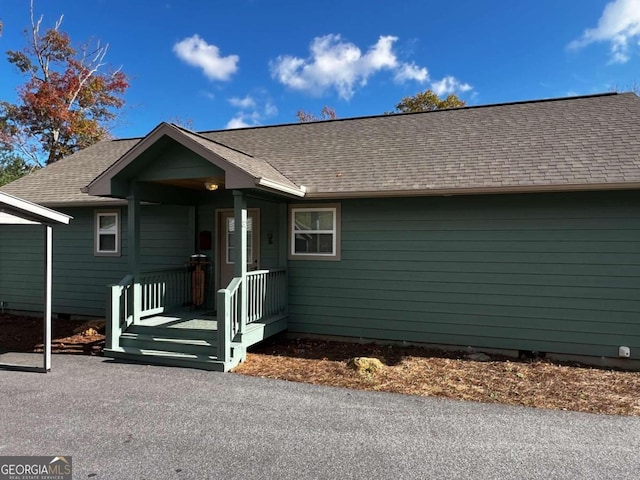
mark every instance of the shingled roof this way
{"type": "Point", "coordinates": [59, 184]}
{"type": "Point", "coordinates": [577, 143]}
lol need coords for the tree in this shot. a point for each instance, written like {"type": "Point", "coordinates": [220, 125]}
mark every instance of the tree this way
{"type": "Point", "coordinates": [427, 101]}
{"type": "Point", "coordinates": [12, 167]}
{"type": "Point", "coordinates": [66, 102]}
{"type": "Point", "coordinates": [327, 113]}
{"type": "Point", "coordinates": [186, 122]}
{"type": "Point", "coordinates": [631, 87]}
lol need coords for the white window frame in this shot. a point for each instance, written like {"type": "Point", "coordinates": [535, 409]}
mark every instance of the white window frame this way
{"type": "Point", "coordinates": [335, 231]}
{"type": "Point", "coordinates": [98, 232]}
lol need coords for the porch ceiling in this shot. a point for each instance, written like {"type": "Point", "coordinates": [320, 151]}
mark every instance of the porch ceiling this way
{"type": "Point", "coordinates": [194, 183]}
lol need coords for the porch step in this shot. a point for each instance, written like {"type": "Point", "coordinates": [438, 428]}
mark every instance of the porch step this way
{"type": "Point", "coordinates": [174, 332]}
{"type": "Point", "coordinates": [257, 331]}
{"type": "Point", "coordinates": [160, 357]}
{"type": "Point", "coordinates": [167, 342]}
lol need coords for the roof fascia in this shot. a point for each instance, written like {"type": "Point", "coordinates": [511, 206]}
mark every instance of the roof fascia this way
{"type": "Point", "coordinates": [271, 185]}
{"type": "Point", "coordinates": [475, 191]}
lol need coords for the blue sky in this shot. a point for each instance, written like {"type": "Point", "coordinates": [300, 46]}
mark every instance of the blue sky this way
{"type": "Point", "coordinates": [232, 63]}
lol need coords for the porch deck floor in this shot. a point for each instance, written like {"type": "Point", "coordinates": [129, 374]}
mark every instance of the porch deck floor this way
{"type": "Point", "coordinates": [188, 319]}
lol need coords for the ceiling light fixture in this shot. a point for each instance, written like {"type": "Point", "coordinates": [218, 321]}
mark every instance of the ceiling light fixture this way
{"type": "Point", "coordinates": [211, 186]}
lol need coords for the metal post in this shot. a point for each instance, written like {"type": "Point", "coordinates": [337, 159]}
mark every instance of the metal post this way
{"type": "Point", "coordinates": [48, 248]}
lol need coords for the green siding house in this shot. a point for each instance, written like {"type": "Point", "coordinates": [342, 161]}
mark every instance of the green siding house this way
{"type": "Point", "coordinates": [509, 227]}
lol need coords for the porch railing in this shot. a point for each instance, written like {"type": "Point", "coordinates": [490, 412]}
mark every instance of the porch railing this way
{"type": "Point", "coordinates": [266, 297]}
{"type": "Point", "coordinates": [120, 310]}
{"type": "Point", "coordinates": [265, 292]}
{"type": "Point", "coordinates": [163, 290]}
{"type": "Point", "coordinates": [156, 292]}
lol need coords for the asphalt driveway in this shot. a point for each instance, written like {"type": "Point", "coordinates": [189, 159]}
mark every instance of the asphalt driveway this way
{"type": "Point", "coordinates": [126, 421]}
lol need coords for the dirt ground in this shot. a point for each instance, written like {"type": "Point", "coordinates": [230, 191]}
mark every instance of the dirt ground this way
{"type": "Point", "coordinates": [408, 370]}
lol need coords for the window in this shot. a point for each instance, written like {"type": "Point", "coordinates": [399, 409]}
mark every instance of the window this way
{"type": "Point", "coordinates": [315, 232]}
{"type": "Point", "coordinates": [107, 233]}
{"type": "Point", "coordinates": [231, 229]}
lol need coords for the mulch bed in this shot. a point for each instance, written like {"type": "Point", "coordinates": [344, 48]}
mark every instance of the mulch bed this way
{"type": "Point", "coordinates": [419, 371]}
{"type": "Point", "coordinates": [25, 334]}
{"type": "Point", "coordinates": [407, 370]}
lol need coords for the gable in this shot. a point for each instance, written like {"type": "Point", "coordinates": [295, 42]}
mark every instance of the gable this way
{"type": "Point", "coordinates": [185, 160]}
{"type": "Point", "coordinates": [173, 161]}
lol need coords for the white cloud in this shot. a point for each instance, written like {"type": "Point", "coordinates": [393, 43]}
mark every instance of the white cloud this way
{"type": "Point", "coordinates": [449, 85]}
{"type": "Point", "coordinates": [619, 25]}
{"type": "Point", "coordinates": [252, 110]}
{"type": "Point", "coordinates": [246, 102]}
{"type": "Point", "coordinates": [270, 110]}
{"type": "Point", "coordinates": [198, 53]}
{"type": "Point", "coordinates": [410, 71]}
{"type": "Point", "coordinates": [237, 122]}
{"type": "Point", "coordinates": [336, 64]}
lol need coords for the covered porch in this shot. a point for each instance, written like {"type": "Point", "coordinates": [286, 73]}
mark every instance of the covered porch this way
{"type": "Point", "coordinates": [154, 320]}
{"type": "Point", "coordinates": [206, 312]}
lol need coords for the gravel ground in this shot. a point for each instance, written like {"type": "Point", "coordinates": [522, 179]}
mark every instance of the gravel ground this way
{"type": "Point", "coordinates": [128, 421]}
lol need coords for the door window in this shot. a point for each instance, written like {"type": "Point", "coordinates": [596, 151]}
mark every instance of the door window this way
{"type": "Point", "coordinates": [231, 229]}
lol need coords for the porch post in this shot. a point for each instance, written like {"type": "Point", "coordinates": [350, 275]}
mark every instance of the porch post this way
{"type": "Point", "coordinates": [240, 251]}
{"type": "Point", "coordinates": [283, 251]}
{"type": "Point", "coordinates": [133, 242]}
{"type": "Point", "coordinates": [283, 234]}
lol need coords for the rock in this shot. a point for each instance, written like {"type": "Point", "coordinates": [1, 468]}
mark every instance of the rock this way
{"type": "Point", "coordinates": [91, 327]}
{"type": "Point", "coordinates": [479, 357]}
{"type": "Point", "coordinates": [90, 332]}
{"type": "Point", "coordinates": [365, 364]}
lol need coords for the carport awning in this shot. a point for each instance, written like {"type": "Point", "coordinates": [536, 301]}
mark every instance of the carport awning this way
{"type": "Point", "coordinates": [16, 211]}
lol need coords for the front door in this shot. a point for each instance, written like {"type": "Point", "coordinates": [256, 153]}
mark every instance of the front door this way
{"type": "Point", "coordinates": [226, 240]}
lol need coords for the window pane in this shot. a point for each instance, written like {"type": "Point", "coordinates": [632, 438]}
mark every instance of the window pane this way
{"type": "Point", "coordinates": [107, 222]}
{"type": "Point", "coordinates": [231, 244]}
{"type": "Point", "coordinates": [107, 243]}
{"type": "Point", "coordinates": [231, 224]}
{"type": "Point", "coordinates": [314, 243]}
{"type": "Point", "coordinates": [303, 220]}
{"type": "Point", "coordinates": [310, 220]}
